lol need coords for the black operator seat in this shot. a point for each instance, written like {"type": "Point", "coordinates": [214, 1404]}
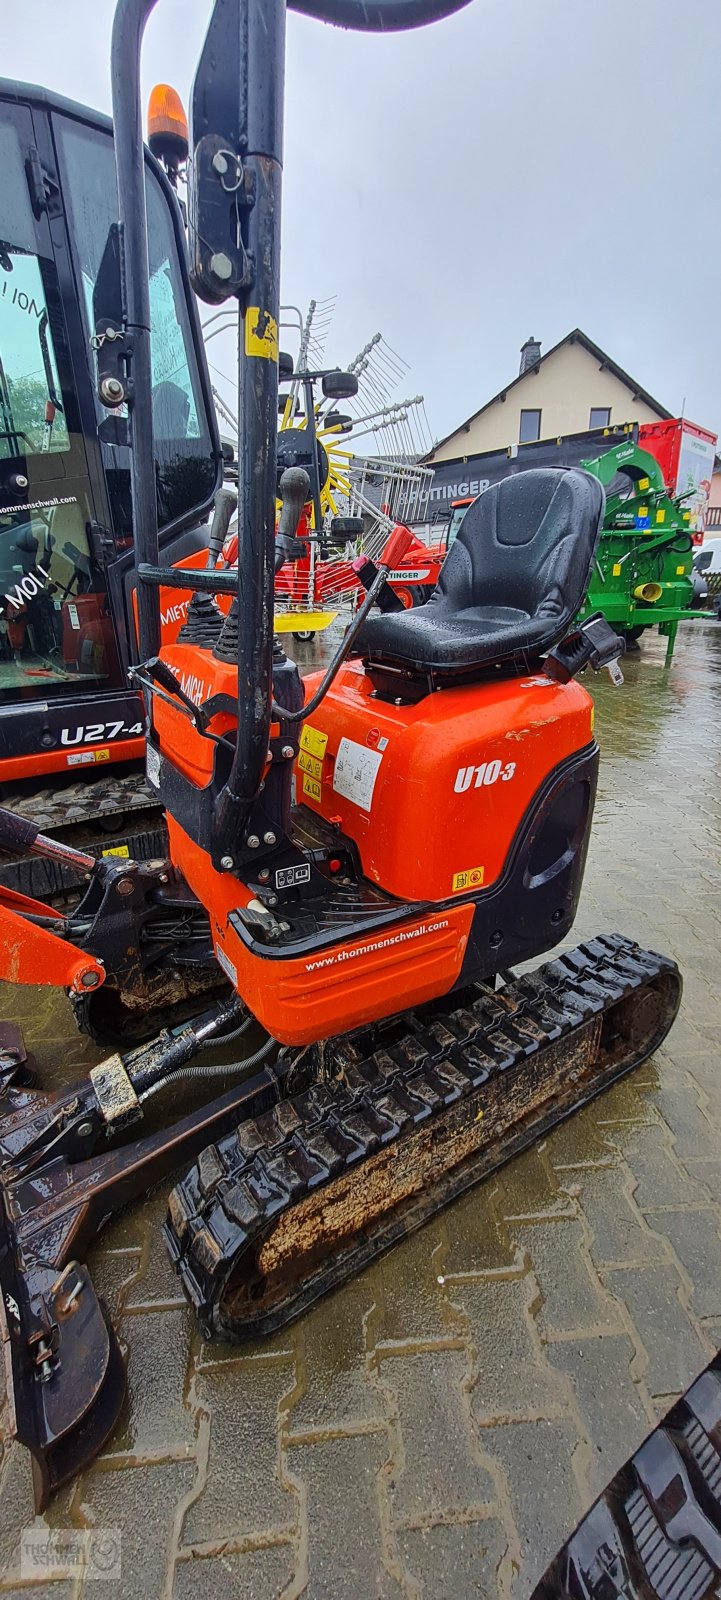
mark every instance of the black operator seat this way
{"type": "Point", "coordinates": [510, 585]}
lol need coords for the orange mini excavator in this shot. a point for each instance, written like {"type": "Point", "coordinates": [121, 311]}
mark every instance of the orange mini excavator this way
{"type": "Point", "coordinates": [357, 860]}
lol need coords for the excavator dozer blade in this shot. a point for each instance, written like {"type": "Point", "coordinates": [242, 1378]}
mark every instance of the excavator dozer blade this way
{"type": "Point", "coordinates": [655, 1532]}
{"type": "Point", "coordinates": [52, 1321]}
{"type": "Point", "coordinates": [292, 1203]}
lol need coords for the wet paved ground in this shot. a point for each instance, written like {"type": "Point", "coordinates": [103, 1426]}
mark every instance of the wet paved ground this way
{"type": "Point", "coordinates": [436, 1429]}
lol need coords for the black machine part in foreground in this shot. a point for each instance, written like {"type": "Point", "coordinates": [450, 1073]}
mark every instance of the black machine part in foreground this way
{"type": "Point", "coordinates": [655, 1532]}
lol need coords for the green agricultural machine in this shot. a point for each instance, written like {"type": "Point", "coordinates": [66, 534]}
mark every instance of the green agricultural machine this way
{"type": "Point", "coordinates": [643, 575]}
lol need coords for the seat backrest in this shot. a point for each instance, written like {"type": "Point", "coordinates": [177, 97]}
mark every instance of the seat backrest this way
{"type": "Point", "coordinates": [527, 543]}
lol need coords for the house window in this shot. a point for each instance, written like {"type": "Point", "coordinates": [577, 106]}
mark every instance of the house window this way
{"type": "Point", "coordinates": [530, 428]}
{"type": "Point", "coordinates": [600, 417]}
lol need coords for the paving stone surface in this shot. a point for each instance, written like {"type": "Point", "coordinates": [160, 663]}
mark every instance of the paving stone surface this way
{"type": "Point", "coordinates": [436, 1428]}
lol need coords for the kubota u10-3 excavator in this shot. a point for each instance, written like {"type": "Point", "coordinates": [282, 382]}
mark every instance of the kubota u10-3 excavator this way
{"type": "Point", "coordinates": [356, 861]}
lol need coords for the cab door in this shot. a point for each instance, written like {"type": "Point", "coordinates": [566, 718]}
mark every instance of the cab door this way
{"type": "Point", "coordinates": [56, 633]}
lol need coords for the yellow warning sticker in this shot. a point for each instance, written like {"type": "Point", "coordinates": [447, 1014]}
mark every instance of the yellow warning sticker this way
{"type": "Point", "coordinates": [472, 879]}
{"type": "Point", "coordinates": [86, 758]}
{"type": "Point", "coordinates": [311, 787]}
{"type": "Point", "coordinates": [310, 764]}
{"type": "Point", "coordinates": [643, 511]}
{"type": "Point", "coordinates": [261, 334]}
{"type": "Point", "coordinates": [680, 572]}
{"type": "Point", "coordinates": [643, 484]}
{"type": "Point", "coordinates": [118, 850]}
{"type": "Point", "coordinates": [661, 515]}
{"type": "Point", "coordinates": [616, 569]}
{"type": "Point", "coordinates": [313, 741]}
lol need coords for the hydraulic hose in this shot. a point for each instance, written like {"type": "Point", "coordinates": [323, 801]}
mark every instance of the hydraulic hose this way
{"type": "Point", "coordinates": [204, 1072]}
{"type": "Point", "coordinates": [225, 1038]}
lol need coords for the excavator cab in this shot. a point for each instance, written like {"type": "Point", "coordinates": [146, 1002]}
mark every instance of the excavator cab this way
{"type": "Point", "coordinates": [67, 635]}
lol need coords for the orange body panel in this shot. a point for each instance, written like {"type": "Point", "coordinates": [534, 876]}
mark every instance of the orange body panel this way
{"type": "Point", "coordinates": [433, 793]}
{"type": "Point", "coordinates": [45, 761]}
{"type": "Point", "coordinates": [304, 998]}
{"type": "Point", "coordinates": [200, 675]}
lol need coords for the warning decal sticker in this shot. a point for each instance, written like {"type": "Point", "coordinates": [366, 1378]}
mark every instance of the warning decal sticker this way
{"type": "Point", "coordinates": [261, 334]}
{"type": "Point", "coordinates": [472, 879]}
{"type": "Point", "coordinates": [310, 764]}
{"type": "Point", "coordinates": [313, 741]}
{"type": "Point", "coordinates": [355, 772]}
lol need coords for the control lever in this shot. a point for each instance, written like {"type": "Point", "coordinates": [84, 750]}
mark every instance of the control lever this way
{"type": "Point", "coordinates": [224, 505]}
{"type": "Point", "coordinates": [366, 570]}
{"type": "Point", "coordinates": [159, 672]}
{"type": "Point", "coordinates": [19, 833]}
{"type": "Point", "coordinates": [593, 644]}
{"type": "Point", "coordinates": [294, 490]}
{"type": "Point", "coordinates": [397, 545]}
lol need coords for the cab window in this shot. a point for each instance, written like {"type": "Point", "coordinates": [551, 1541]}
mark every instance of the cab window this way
{"type": "Point", "coordinates": [186, 465]}
{"type": "Point", "coordinates": [55, 627]}
{"type": "Point", "coordinates": [33, 418]}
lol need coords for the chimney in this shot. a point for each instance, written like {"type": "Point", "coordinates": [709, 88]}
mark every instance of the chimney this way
{"type": "Point", "coordinates": [530, 354]}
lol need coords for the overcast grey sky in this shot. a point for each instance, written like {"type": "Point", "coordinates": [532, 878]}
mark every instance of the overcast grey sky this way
{"type": "Point", "coordinates": [522, 168]}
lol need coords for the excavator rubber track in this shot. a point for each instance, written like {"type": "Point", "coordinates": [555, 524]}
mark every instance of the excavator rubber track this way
{"type": "Point", "coordinates": [67, 805]}
{"type": "Point", "coordinates": [118, 812]}
{"type": "Point", "coordinates": [655, 1532]}
{"type": "Point", "coordinates": [293, 1203]}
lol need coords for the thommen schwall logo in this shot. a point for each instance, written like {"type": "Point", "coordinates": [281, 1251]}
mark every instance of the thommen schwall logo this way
{"type": "Point", "coordinates": [58, 1553]}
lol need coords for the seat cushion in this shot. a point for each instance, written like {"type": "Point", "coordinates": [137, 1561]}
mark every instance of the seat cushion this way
{"type": "Point", "coordinates": [452, 643]}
